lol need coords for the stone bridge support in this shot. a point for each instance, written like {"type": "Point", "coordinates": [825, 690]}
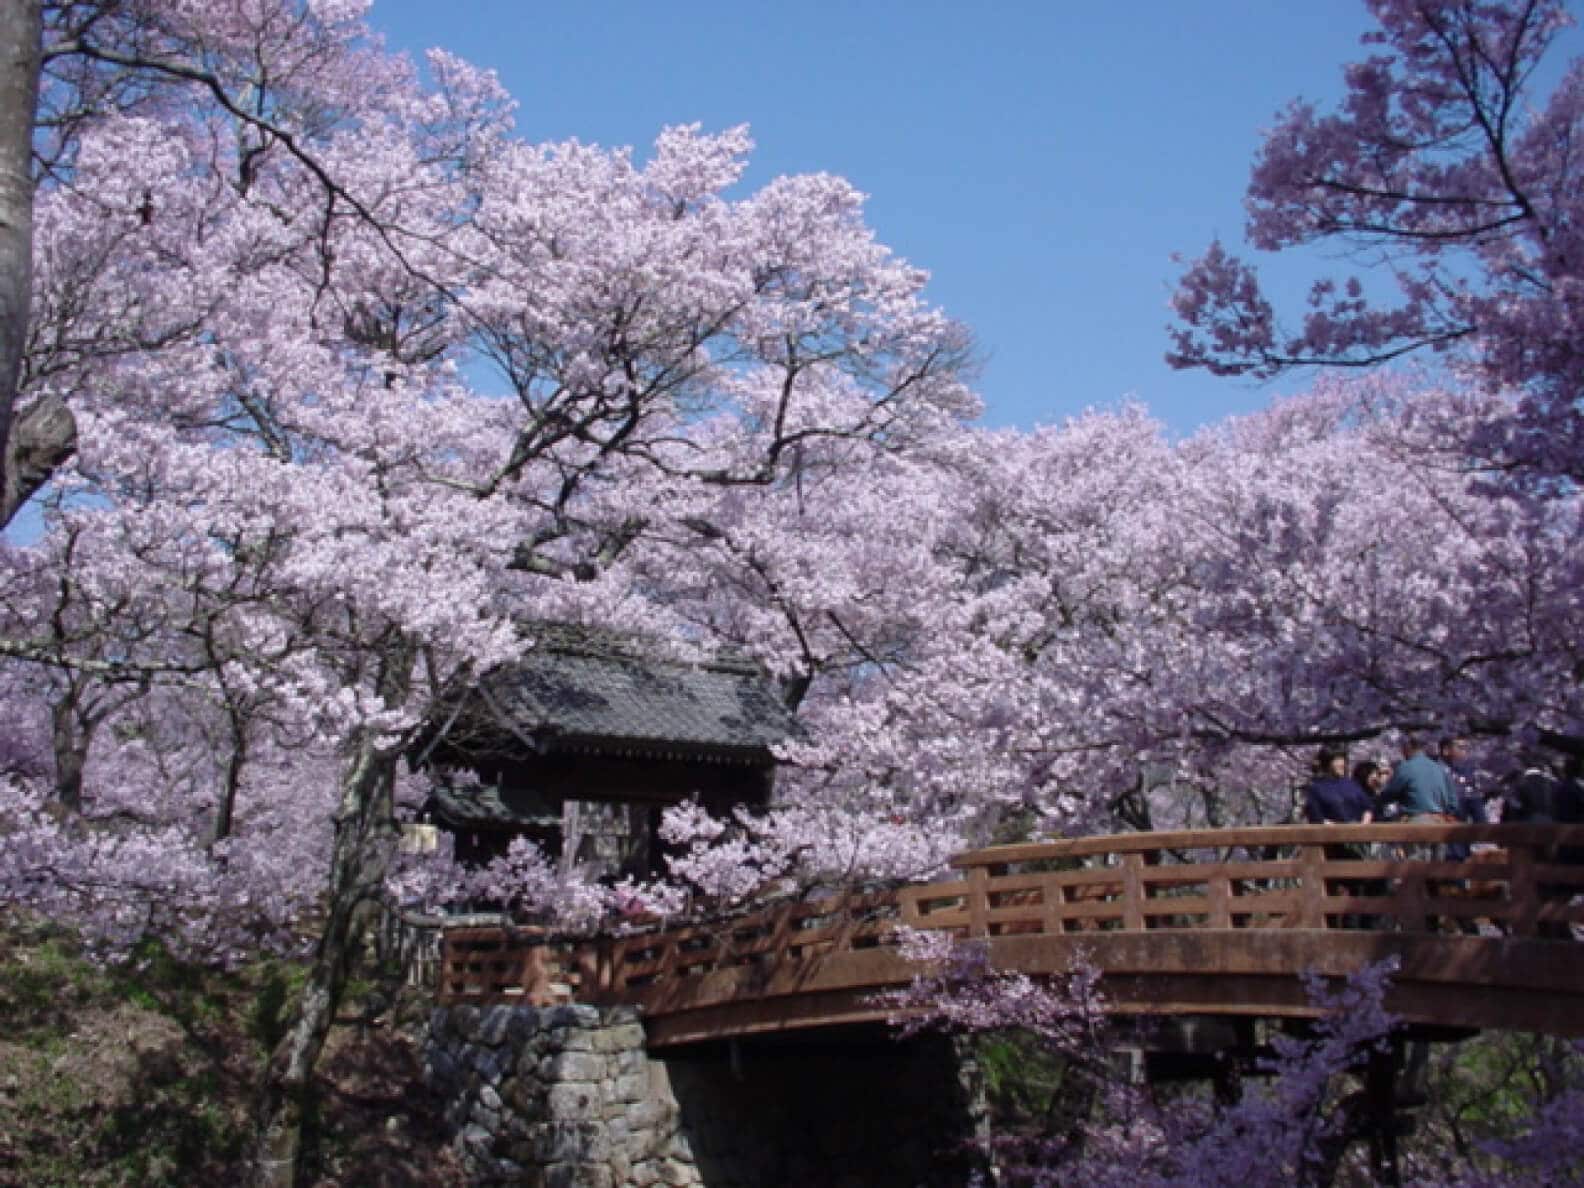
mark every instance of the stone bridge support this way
{"type": "Point", "coordinates": [569, 1097]}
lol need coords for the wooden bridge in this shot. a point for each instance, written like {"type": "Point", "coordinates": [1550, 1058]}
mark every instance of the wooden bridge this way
{"type": "Point", "coordinates": [1210, 922]}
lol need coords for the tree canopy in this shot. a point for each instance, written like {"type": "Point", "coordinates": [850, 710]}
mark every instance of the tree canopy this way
{"type": "Point", "coordinates": [329, 386]}
{"type": "Point", "coordinates": [1446, 175]}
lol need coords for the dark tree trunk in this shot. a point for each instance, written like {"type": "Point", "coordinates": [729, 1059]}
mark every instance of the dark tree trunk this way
{"type": "Point", "coordinates": [21, 36]}
{"type": "Point", "coordinates": [365, 836]}
{"type": "Point", "coordinates": [225, 811]}
{"type": "Point", "coordinates": [70, 736]}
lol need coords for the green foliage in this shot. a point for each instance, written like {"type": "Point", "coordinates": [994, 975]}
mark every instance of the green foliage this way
{"type": "Point", "coordinates": [147, 1073]}
{"type": "Point", "coordinates": [118, 1075]}
{"type": "Point", "coordinates": [1488, 1087]}
{"type": "Point", "coordinates": [1022, 1078]}
{"type": "Point", "coordinates": [279, 984]}
{"type": "Point", "coordinates": [155, 981]}
{"type": "Point", "coordinates": [39, 986]}
{"type": "Point", "coordinates": [173, 1132]}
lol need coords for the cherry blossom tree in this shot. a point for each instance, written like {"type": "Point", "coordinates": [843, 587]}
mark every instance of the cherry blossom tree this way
{"type": "Point", "coordinates": [1091, 626]}
{"type": "Point", "coordinates": [289, 522]}
{"type": "Point", "coordinates": [1303, 1120]}
{"type": "Point", "coordinates": [354, 387]}
{"type": "Point", "coordinates": [1288, 1130]}
{"type": "Point", "coordinates": [257, 71]}
{"type": "Point", "coordinates": [1359, 582]}
{"type": "Point", "coordinates": [1445, 175]}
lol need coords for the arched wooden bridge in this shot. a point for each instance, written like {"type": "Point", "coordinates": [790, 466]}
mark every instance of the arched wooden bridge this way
{"type": "Point", "coordinates": [1210, 922]}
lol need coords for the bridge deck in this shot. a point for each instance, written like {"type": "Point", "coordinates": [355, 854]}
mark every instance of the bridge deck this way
{"type": "Point", "coordinates": [1204, 922]}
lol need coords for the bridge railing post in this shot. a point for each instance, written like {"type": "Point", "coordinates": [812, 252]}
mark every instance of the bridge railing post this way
{"type": "Point", "coordinates": [1311, 887]}
{"type": "Point", "coordinates": [1523, 890]}
{"type": "Point", "coordinates": [1411, 905]}
{"type": "Point", "coordinates": [1133, 892]}
{"type": "Point", "coordinates": [978, 901]}
{"type": "Point", "coordinates": [1218, 891]}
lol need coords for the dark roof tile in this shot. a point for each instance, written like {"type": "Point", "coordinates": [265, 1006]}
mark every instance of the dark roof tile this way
{"type": "Point", "coordinates": [623, 698]}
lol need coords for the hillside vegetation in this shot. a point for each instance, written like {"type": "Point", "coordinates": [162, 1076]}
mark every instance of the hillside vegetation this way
{"type": "Point", "coordinates": [145, 1073]}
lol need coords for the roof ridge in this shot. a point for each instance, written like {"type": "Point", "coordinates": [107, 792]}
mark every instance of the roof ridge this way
{"type": "Point", "coordinates": [609, 643]}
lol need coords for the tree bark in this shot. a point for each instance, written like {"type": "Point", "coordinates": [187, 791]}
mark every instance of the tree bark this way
{"type": "Point", "coordinates": [41, 437]}
{"type": "Point", "coordinates": [21, 41]}
{"type": "Point", "coordinates": [70, 736]}
{"type": "Point", "coordinates": [365, 836]}
{"type": "Point", "coordinates": [236, 765]}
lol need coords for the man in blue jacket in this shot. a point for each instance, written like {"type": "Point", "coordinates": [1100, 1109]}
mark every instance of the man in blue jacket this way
{"type": "Point", "coordinates": [1426, 793]}
{"type": "Point", "coordinates": [1421, 785]}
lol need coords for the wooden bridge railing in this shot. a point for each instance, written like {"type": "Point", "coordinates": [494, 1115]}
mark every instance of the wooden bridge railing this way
{"type": "Point", "coordinates": [508, 963]}
{"type": "Point", "coordinates": [1272, 877]}
{"type": "Point", "coordinates": [1276, 879]}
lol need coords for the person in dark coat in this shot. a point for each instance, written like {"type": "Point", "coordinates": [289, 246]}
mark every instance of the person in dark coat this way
{"type": "Point", "coordinates": [1571, 806]}
{"type": "Point", "coordinates": [1460, 775]}
{"type": "Point", "coordinates": [1334, 796]}
{"type": "Point", "coordinates": [1539, 796]}
{"type": "Point", "coordinates": [1535, 795]}
{"type": "Point", "coordinates": [1371, 775]}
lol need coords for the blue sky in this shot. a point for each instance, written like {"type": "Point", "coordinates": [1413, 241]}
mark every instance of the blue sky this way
{"type": "Point", "coordinates": [1043, 160]}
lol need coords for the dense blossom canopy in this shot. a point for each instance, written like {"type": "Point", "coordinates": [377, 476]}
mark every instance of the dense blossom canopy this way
{"type": "Point", "coordinates": [361, 383]}
{"type": "Point", "coordinates": [331, 386]}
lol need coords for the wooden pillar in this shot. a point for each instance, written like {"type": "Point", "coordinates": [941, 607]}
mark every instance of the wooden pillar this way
{"type": "Point", "coordinates": [1133, 893]}
{"type": "Point", "coordinates": [1311, 887]}
{"type": "Point", "coordinates": [1525, 891]}
{"type": "Point", "coordinates": [1380, 1095]}
{"type": "Point", "coordinates": [979, 901]}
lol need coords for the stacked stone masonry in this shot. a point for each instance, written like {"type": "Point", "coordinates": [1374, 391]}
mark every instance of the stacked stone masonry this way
{"type": "Point", "coordinates": [568, 1097]}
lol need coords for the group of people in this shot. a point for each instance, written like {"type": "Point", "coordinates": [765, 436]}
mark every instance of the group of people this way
{"type": "Point", "coordinates": [1441, 788]}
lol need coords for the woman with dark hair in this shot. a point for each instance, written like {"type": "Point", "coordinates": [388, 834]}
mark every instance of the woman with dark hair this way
{"type": "Point", "coordinates": [1336, 799]}
{"type": "Point", "coordinates": [1332, 796]}
{"type": "Point", "coordinates": [1371, 775]}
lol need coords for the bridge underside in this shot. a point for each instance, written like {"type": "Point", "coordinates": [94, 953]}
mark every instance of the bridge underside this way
{"type": "Point", "coordinates": [1477, 982]}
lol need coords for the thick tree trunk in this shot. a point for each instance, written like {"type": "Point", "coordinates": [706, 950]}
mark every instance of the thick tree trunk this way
{"type": "Point", "coordinates": [42, 436]}
{"type": "Point", "coordinates": [365, 837]}
{"type": "Point", "coordinates": [21, 36]}
{"type": "Point", "coordinates": [70, 736]}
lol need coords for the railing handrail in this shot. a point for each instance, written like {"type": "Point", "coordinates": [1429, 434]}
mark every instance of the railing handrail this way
{"type": "Point", "coordinates": [1292, 878]}
{"type": "Point", "coordinates": [1526, 834]}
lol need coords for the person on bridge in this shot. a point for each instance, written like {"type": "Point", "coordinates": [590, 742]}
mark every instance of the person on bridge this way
{"type": "Point", "coordinates": [1539, 795]}
{"type": "Point", "coordinates": [1535, 795]}
{"type": "Point", "coordinates": [1371, 775]}
{"type": "Point", "coordinates": [1333, 795]}
{"type": "Point", "coordinates": [1571, 804]}
{"type": "Point", "coordinates": [1335, 798]}
{"type": "Point", "coordinates": [1421, 786]}
{"type": "Point", "coordinates": [1424, 790]}
{"type": "Point", "coordinates": [1460, 774]}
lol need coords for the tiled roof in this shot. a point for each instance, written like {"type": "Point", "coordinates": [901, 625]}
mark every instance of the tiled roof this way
{"type": "Point", "coordinates": [587, 689]}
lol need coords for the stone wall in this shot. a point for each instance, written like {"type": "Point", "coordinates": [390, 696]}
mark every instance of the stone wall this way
{"type": "Point", "coordinates": [567, 1097]}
